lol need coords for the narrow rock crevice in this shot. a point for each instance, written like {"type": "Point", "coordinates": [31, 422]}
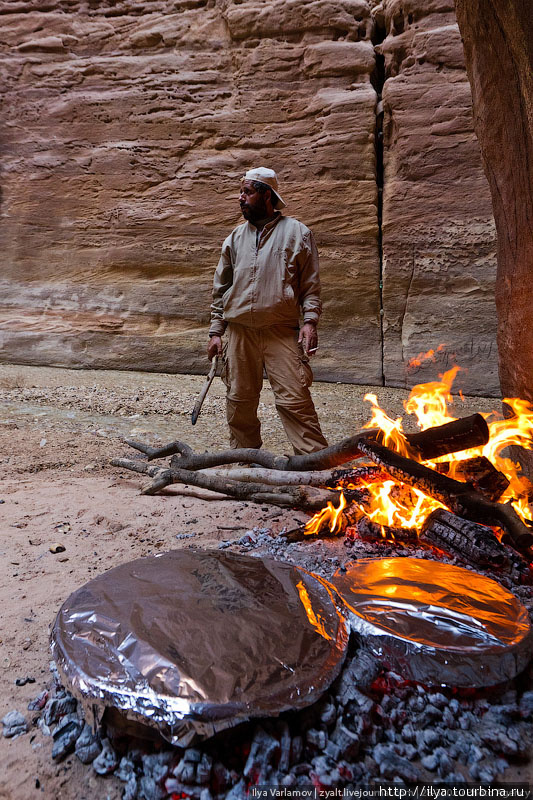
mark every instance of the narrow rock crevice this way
{"type": "Point", "coordinates": [378, 80]}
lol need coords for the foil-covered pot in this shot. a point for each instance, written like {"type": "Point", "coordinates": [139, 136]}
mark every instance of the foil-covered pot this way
{"type": "Point", "coordinates": [191, 642]}
{"type": "Point", "coordinates": [436, 623]}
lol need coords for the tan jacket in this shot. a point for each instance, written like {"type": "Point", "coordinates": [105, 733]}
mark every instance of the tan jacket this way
{"type": "Point", "coordinates": [267, 283]}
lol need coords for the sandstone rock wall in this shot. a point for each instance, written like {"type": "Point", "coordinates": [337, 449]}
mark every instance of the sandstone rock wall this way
{"type": "Point", "coordinates": [125, 134]}
{"type": "Point", "coordinates": [498, 37]}
{"type": "Point", "coordinates": [439, 262]}
{"type": "Point", "coordinates": [125, 128]}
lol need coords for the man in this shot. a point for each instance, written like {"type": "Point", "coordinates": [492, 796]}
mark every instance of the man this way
{"type": "Point", "coordinates": [267, 275]}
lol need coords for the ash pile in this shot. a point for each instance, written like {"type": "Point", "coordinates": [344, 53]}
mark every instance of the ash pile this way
{"type": "Point", "coordinates": [369, 728]}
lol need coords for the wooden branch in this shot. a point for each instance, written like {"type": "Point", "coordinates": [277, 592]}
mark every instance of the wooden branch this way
{"type": "Point", "coordinates": [461, 498]}
{"type": "Point", "coordinates": [470, 431]}
{"type": "Point", "coordinates": [137, 466]}
{"type": "Point", "coordinates": [160, 452]}
{"type": "Point", "coordinates": [274, 477]}
{"type": "Point", "coordinates": [306, 497]}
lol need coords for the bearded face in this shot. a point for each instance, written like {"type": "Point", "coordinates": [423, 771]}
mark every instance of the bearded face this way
{"type": "Point", "coordinates": [253, 203]}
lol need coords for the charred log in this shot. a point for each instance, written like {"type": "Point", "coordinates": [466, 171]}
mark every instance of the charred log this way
{"type": "Point", "coordinates": [476, 543]}
{"type": "Point", "coordinates": [481, 473]}
{"type": "Point", "coordinates": [372, 531]}
{"type": "Point", "coordinates": [352, 477]}
{"type": "Point", "coordinates": [461, 434]}
{"type": "Point", "coordinates": [461, 498]}
{"type": "Point", "coordinates": [348, 518]}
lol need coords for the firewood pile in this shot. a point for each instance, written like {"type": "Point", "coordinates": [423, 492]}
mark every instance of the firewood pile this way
{"type": "Point", "coordinates": [469, 517]}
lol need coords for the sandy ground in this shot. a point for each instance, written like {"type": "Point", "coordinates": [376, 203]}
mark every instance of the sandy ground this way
{"type": "Point", "coordinates": [58, 430]}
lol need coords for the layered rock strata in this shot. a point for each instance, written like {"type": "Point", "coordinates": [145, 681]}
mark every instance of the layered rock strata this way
{"type": "Point", "coordinates": [126, 130]}
{"type": "Point", "coordinates": [498, 38]}
{"type": "Point", "coordinates": [438, 232]}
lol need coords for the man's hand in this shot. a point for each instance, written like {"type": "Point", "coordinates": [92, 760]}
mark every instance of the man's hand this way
{"type": "Point", "coordinates": [309, 338]}
{"type": "Point", "coordinates": [214, 347]}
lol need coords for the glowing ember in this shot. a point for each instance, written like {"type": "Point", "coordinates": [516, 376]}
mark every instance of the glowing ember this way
{"type": "Point", "coordinates": [399, 507]}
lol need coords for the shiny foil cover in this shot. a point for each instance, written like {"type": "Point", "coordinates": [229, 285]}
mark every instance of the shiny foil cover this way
{"type": "Point", "coordinates": [191, 641]}
{"type": "Point", "coordinates": [436, 623]}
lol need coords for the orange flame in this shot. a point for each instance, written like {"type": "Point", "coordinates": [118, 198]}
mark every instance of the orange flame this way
{"type": "Point", "coordinates": [394, 506]}
{"type": "Point", "coordinates": [329, 516]}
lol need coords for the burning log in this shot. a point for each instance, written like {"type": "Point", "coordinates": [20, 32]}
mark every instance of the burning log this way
{"type": "Point", "coordinates": [373, 531]}
{"type": "Point", "coordinates": [461, 498]}
{"type": "Point", "coordinates": [443, 439]}
{"type": "Point", "coordinates": [476, 543]}
{"type": "Point", "coordinates": [461, 434]}
{"type": "Point", "coordinates": [351, 477]}
{"type": "Point", "coordinates": [322, 524]}
{"type": "Point", "coordinates": [481, 473]}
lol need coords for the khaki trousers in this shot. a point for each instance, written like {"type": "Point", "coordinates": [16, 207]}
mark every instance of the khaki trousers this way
{"type": "Point", "coordinates": [276, 349]}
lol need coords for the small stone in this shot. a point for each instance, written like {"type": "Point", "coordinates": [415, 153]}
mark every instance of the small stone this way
{"type": "Point", "coordinates": [88, 745]}
{"type": "Point", "coordinates": [328, 714]}
{"type": "Point", "coordinates": [203, 769]}
{"type": "Point", "coordinates": [58, 707]}
{"type": "Point", "coordinates": [391, 765]}
{"type": "Point", "coordinates": [24, 681]}
{"type": "Point", "coordinates": [57, 548]}
{"type": "Point", "coordinates": [149, 789]}
{"type": "Point", "coordinates": [465, 721]}
{"type": "Point", "coordinates": [192, 754]}
{"type": "Point", "coordinates": [14, 724]}
{"type": "Point", "coordinates": [107, 761]}
{"type": "Point", "coordinates": [130, 789]}
{"type": "Point", "coordinates": [448, 719]}
{"type": "Point", "coordinates": [430, 762]}
{"type": "Point", "coordinates": [65, 736]}
{"type": "Point", "coordinates": [262, 752]}
{"type": "Point", "coordinates": [126, 769]}
{"type": "Point", "coordinates": [438, 700]}
{"type": "Point", "coordinates": [408, 733]}
{"type": "Point", "coordinates": [427, 739]}
{"type": "Point", "coordinates": [316, 738]}
{"type": "Point", "coordinates": [346, 740]}
{"type": "Point", "coordinates": [38, 702]}
{"type": "Point", "coordinates": [185, 771]}
{"type": "Point", "coordinates": [333, 750]}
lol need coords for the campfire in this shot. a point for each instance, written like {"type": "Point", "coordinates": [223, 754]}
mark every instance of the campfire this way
{"type": "Point", "coordinates": [410, 703]}
{"type": "Point", "coordinates": [390, 506]}
{"type": "Point", "coordinates": [451, 485]}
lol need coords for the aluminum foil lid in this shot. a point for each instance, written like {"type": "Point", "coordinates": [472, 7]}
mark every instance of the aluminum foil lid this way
{"type": "Point", "coordinates": [436, 623]}
{"type": "Point", "coordinates": [193, 641]}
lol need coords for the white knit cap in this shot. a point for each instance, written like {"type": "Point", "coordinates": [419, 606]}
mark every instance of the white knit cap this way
{"type": "Point", "coordinates": [268, 176]}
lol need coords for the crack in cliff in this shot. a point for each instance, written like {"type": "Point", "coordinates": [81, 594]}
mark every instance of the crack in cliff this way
{"type": "Point", "coordinates": [378, 80]}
